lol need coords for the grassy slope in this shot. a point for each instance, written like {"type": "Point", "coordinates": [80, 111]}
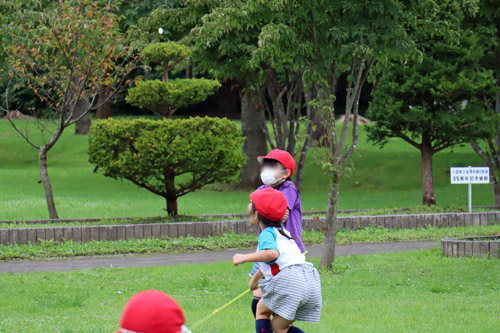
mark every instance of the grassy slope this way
{"type": "Point", "coordinates": [388, 177]}
{"type": "Point", "coordinates": [413, 291]}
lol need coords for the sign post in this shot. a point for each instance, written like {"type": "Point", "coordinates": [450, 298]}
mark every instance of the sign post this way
{"type": "Point", "coordinates": [470, 197]}
{"type": "Point", "coordinates": [470, 175]}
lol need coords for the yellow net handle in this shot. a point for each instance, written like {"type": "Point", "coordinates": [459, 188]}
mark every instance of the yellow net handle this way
{"type": "Point", "coordinates": [216, 311]}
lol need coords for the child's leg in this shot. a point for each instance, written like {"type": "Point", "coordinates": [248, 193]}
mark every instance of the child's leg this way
{"type": "Point", "coordinates": [263, 312]}
{"type": "Point", "coordinates": [295, 329]}
{"type": "Point", "coordinates": [282, 325]}
{"type": "Point", "coordinates": [262, 318]}
{"type": "Point", "coordinates": [257, 295]}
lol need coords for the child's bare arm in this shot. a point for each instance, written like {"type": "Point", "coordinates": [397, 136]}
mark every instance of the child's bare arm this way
{"type": "Point", "coordinates": [254, 281]}
{"type": "Point", "coordinates": [261, 256]}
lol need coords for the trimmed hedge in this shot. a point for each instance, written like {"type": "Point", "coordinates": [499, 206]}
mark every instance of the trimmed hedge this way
{"type": "Point", "coordinates": [167, 157]}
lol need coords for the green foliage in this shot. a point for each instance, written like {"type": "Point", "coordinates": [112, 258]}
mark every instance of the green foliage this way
{"type": "Point", "coordinates": [328, 38]}
{"type": "Point", "coordinates": [65, 51]}
{"type": "Point", "coordinates": [166, 97]}
{"type": "Point", "coordinates": [132, 11]}
{"type": "Point", "coordinates": [486, 24]}
{"type": "Point", "coordinates": [438, 100]}
{"type": "Point", "coordinates": [168, 54]}
{"type": "Point", "coordinates": [226, 42]}
{"type": "Point", "coordinates": [224, 39]}
{"type": "Point", "coordinates": [176, 18]}
{"type": "Point", "coordinates": [170, 157]}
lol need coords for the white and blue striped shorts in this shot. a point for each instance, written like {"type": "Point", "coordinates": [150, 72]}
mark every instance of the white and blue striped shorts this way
{"type": "Point", "coordinates": [295, 293]}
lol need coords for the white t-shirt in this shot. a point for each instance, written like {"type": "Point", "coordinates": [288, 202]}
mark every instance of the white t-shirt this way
{"type": "Point", "coordinates": [289, 253]}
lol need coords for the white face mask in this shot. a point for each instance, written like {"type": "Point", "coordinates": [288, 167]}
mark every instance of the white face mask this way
{"type": "Point", "coordinates": [268, 176]}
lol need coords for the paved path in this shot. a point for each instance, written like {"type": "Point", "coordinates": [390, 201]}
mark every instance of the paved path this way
{"type": "Point", "coordinates": [72, 264]}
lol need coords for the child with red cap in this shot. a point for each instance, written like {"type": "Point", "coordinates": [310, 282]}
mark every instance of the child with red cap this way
{"type": "Point", "coordinates": [152, 311]}
{"type": "Point", "coordinates": [293, 289]}
{"type": "Point", "coordinates": [278, 167]}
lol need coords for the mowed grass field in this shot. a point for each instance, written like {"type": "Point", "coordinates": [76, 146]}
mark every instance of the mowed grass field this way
{"type": "Point", "coordinates": [418, 291]}
{"type": "Point", "coordinates": [388, 177]}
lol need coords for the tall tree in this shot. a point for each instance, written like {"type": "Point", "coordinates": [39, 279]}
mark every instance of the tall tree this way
{"type": "Point", "coordinates": [330, 39]}
{"type": "Point", "coordinates": [434, 104]}
{"type": "Point", "coordinates": [228, 41]}
{"type": "Point", "coordinates": [63, 52]}
{"type": "Point", "coordinates": [486, 23]}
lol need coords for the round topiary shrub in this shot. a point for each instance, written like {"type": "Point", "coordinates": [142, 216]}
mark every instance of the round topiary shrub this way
{"type": "Point", "coordinates": [164, 97]}
{"type": "Point", "coordinates": [167, 157]}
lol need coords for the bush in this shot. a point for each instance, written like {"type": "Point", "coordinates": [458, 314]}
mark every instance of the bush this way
{"type": "Point", "coordinates": [167, 157]}
{"type": "Point", "coordinates": [165, 97]}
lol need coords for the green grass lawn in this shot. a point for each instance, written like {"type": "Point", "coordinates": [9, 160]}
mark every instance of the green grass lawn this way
{"type": "Point", "coordinates": [413, 291]}
{"type": "Point", "coordinates": [383, 178]}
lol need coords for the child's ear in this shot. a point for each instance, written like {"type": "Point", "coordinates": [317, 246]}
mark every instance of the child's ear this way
{"type": "Point", "coordinates": [249, 208]}
{"type": "Point", "coordinates": [287, 173]}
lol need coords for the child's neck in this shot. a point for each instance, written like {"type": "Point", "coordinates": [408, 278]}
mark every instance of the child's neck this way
{"type": "Point", "coordinates": [278, 184]}
{"type": "Point", "coordinates": [262, 226]}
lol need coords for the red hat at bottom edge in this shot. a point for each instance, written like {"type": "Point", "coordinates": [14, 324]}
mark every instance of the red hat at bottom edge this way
{"type": "Point", "coordinates": [152, 311]}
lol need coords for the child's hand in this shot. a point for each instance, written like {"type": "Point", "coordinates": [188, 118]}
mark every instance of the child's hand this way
{"type": "Point", "coordinates": [286, 216]}
{"type": "Point", "coordinates": [238, 259]}
{"type": "Point", "coordinates": [253, 284]}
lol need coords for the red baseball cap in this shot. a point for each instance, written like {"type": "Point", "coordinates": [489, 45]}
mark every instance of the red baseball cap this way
{"type": "Point", "coordinates": [281, 156]}
{"type": "Point", "coordinates": [152, 311]}
{"type": "Point", "coordinates": [270, 203]}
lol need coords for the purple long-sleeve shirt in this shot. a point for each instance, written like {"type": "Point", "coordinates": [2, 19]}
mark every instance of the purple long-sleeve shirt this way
{"type": "Point", "coordinates": [294, 222]}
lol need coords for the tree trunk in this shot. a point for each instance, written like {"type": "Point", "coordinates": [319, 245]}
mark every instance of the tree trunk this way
{"type": "Point", "coordinates": [319, 130]}
{"type": "Point", "coordinates": [172, 207]}
{"type": "Point", "coordinates": [165, 112]}
{"type": "Point", "coordinates": [331, 224]}
{"type": "Point", "coordinates": [299, 179]}
{"type": "Point", "coordinates": [44, 175]}
{"type": "Point", "coordinates": [82, 126]}
{"type": "Point", "coordinates": [496, 192]}
{"type": "Point", "coordinates": [227, 100]}
{"type": "Point", "coordinates": [164, 77]}
{"type": "Point", "coordinates": [104, 110]}
{"type": "Point", "coordinates": [255, 143]}
{"type": "Point", "coordinates": [497, 99]}
{"type": "Point", "coordinates": [311, 115]}
{"type": "Point", "coordinates": [427, 183]}
{"type": "Point", "coordinates": [171, 194]}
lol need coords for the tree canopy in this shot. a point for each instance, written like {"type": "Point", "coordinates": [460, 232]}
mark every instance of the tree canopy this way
{"type": "Point", "coordinates": [436, 103]}
{"type": "Point", "coordinates": [164, 97]}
